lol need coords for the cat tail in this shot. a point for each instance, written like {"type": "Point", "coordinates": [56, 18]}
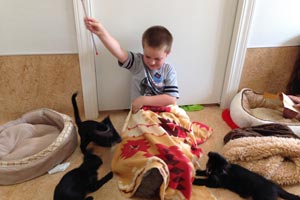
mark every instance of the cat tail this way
{"type": "Point", "coordinates": [75, 108]}
{"type": "Point", "coordinates": [102, 181]}
{"type": "Point", "coordinates": [286, 195]}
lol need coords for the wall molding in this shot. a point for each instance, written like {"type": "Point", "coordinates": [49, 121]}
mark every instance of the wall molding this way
{"type": "Point", "coordinates": [87, 62]}
{"type": "Point", "coordinates": [237, 52]}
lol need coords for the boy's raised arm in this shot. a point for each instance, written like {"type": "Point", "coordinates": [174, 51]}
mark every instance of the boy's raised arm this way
{"type": "Point", "coordinates": [108, 41]}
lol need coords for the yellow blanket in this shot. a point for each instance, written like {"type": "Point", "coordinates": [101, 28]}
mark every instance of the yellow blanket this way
{"type": "Point", "coordinates": [161, 138]}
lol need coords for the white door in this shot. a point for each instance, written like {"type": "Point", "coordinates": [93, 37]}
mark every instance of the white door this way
{"type": "Point", "coordinates": [202, 32]}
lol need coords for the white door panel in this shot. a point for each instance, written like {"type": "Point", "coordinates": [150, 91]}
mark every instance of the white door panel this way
{"type": "Point", "coordinates": [202, 32]}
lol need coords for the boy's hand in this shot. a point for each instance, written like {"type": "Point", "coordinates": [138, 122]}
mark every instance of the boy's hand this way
{"type": "Point", "coordinates": [93, 25]}
{"type": "Point", "coordinates": [137, 104]}
{"type": "Point", "coordinates": [109, 42]}
{"type": "Point", "coordinates": [296, 100]}
{"type": "Point", "coordinates": [155, 100]}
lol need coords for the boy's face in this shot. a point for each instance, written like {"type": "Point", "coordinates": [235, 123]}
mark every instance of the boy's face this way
{"type": "Point", "coordinates": [154, 58]}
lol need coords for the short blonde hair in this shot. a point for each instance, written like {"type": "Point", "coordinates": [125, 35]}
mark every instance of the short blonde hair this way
{"type": "Point", "coordinates": [157, 37]}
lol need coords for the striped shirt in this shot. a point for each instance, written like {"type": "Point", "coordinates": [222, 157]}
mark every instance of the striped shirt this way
{"type": "Point", "coordinates": [146, 82]}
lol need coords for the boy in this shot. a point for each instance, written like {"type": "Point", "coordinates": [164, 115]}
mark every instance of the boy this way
{"type": "Point", "coordinates": [154, 82]}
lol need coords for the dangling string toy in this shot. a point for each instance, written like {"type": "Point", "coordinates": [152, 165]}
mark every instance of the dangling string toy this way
{"type": "Point", "coordinates": [85, 13]}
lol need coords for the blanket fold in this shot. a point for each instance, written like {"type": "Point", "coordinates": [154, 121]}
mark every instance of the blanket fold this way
{"type": "Point", "coordinates": [164, 139]}
{"type": "Point", "coordinates": [272, 129]}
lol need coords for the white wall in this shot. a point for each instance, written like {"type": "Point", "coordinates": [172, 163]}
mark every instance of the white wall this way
{"type": "Point", "coordinates": [201, 29]}
{"type": "Point", "coordinates": [275, 23]}
{"type": "Point", "coordinates": [46, 27]}
{"type": "Point", "coordinates": [37, 27]}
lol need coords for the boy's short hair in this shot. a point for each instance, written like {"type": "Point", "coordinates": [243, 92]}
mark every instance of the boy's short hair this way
{"type": "Point", "coordinates": [157, 37]}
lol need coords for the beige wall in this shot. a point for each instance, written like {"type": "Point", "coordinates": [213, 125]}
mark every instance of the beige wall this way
{"type": "Point", "coordinates": [268, 69]}
{"type": "Point", "coordinates": [32, 82]}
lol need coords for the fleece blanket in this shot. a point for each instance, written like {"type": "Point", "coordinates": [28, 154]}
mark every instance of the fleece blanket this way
{"type": "Point", "coordinates": [275, 157]}
{"type": "Point", "coordinates": [272, 129]}
{"type": "Point", "coordinates": [164, 139]}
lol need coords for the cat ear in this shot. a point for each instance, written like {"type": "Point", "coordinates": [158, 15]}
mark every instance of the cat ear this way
{"type": "Point", "coordinates": [224, 171]}
{"type": "Point", "coordinates": [107, 120]}
{"type": "Point", "coordinates": [211, 154]}
{"type": "Point", "coordinates": [89, 151]}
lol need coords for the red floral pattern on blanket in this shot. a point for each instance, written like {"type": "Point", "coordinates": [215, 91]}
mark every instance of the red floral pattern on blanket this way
{"type": "Point", "coordinates": [180, 170]}
{"type": "Point", "coordinates": [134, 146]}
{"type": "Point", "coordinates": [162, 138]}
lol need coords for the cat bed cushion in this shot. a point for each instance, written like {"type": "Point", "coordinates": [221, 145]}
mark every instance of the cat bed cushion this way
{"type": "Point", "coordinates": [249, 108]}
{"type": "Point", "coordinates": [33, 144]}
{"type": "Point", "coordinates": [275, 158]}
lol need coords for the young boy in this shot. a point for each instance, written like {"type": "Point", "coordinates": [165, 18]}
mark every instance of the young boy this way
{"type": "Point", "coordinates": [154, 82]}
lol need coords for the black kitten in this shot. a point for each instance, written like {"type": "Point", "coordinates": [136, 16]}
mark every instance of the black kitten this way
{"type": "Point", "coordinates": [102, 133]}
{"type": "Point", "coordinates": [221, 174]}
{"type": "Point", "coordinates": [78, 182]}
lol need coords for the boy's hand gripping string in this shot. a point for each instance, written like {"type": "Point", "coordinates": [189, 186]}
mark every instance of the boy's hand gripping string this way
{"type": "Point", "coordinates": [85, 13]}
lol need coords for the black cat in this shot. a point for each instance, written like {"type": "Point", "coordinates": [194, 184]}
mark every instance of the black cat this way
{"type": "Point", "coordinates": [221, 174]}
{"type": "Point", "coordinates": [102, 133]}
{"type": "Point", "coordinates": [75, 184]}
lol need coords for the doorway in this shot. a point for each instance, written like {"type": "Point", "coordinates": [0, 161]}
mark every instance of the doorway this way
{"type": "Point", "coordinates": [218, 53]}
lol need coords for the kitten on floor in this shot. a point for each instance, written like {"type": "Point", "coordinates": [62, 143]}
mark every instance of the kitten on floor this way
{"type": "Point", "coordinates": [75, 184]}
{"type": "Point", "coordinates": [221, 174]}
{"type": "Point", "coordinates": [102, 133]}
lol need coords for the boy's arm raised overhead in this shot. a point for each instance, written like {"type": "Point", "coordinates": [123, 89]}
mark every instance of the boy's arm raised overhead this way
{"type": "Point", "coordinates": [108, 41]}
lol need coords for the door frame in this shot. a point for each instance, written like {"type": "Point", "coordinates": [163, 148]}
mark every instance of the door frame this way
{"type": "Point", "coordinates": [234, 66]}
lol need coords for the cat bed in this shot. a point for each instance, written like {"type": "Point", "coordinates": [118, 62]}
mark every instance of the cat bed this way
{"type": "Point", "coordinates": [249, 108]}
{"type": "Point", "coordinates": [274, 157]}
{"type": "Point", "coordinates": [33, 144]}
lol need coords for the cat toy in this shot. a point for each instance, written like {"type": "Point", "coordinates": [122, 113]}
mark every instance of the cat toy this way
{"type": "Point", "coordinates": [85, 13]}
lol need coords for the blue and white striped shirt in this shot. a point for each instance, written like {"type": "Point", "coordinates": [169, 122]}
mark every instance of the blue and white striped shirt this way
{"type": "Point", "coordinates": [146, 82]}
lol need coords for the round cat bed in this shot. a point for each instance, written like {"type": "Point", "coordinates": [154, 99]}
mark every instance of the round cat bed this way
{"type": "Point", "coordinates": [33, 144]}
{"type": "Point", "coordinates": [249, 108]}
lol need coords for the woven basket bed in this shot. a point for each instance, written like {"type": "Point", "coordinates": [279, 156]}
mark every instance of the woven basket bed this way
{"type": "Point", "coordinates": [33, 144]}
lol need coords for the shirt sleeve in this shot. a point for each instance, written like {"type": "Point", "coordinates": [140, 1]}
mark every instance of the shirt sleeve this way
{"type": "Point", "coordinates": [171, 86]}
{"type": "Point", "coordinates": [132, 63]}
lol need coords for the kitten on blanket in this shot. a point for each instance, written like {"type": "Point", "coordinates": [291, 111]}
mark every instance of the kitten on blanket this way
{"type": "Point", "coordinates": [75, 184]}
{"type": "Point", "coordinates": [102, 133]}
{"type": "Point", "coordinates": [221, 174]}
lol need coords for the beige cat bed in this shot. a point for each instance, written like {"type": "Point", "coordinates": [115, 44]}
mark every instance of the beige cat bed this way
{"type": "Point", "coordinates": [275, 158]}
{"type": "Point", "coordinates": [33, 144]}
{"type": "Point", "coordinates": [249, 108]}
